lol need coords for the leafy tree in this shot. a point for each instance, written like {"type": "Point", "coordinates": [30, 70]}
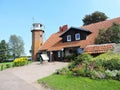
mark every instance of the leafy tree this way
{"type": "Point", "coordinates": [4, 51]}
{"type": "Point", "coordinates": [111, 35]}
{"type": "Point", "coordinates": [101, 38]}
{"type": "Point", "coordinates": [16, 45]}
{"type": "Point", "coordinates": [94, 17]}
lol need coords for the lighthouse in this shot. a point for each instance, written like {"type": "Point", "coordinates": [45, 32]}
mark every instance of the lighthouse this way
{"type": "Point", "coordinates": [37, 39]}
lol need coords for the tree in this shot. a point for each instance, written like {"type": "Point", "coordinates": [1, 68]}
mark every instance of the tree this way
{"type": "Point", "coordinates": [111, 35]}
{"type": "Point", "coordinates": [4, 51]}
{"type": "Point", "coordinates": [16, 45]}
{"type": "Point", "coordinates": [94, 17]}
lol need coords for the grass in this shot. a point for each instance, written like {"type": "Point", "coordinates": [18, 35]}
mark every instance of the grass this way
{"type": "Point", "coordinates": [63, 82]}
{"type": "Point", "coordinates": [5, 64]}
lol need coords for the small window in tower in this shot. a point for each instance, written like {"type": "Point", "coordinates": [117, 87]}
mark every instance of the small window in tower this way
{"type": "Point", "coordinates": [41, 44]}
{"type": "Point", "coordinates": [36, 25]}
{"type": "Point", "coordinates": [40, 35]}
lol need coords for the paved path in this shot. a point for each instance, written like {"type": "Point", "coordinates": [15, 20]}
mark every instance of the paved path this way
{"type": "Point", "coordinates": [25, 77]}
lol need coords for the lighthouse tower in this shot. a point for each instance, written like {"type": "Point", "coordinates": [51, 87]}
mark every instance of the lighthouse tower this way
{"type": "Point", "coordinates": [37, 39]}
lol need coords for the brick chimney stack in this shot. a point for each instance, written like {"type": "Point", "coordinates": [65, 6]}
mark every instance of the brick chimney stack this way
{"type": "Point", "coordinates": [63, 28]}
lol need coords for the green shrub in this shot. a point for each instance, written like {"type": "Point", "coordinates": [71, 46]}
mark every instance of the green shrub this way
{"type": "Point", "coordinates": [82, 58]}
{"type": "Point", "coordinates": [113, 64]}
{"type": "Point", "coordinates": [106, 56]}
{"type": "Point", "coordinates": [109, 61]}
{"type": "Point", "coordinates": [62, 71]}
{"type": "Point", "coordinates": [118, 76]}
{"type": "Point", "coordinates": [97, 74]}
{"type": "Point", "coordinates": [114, 74]}
{"type": "Point", "coordinates": [70, 57]}
{"type": "Point", "coordinates": [2, 67]}
{"type": "Point", "coordinates": [71, 66]}
{"type": "Point", "coordinates": [20, 61]}
{"type": "Point", "coordinates": [103, 66]}
{"type": "Point", "coordinates": [80, 70]}
{"type": "Point", "coordinates": [111, 74]}
{"type": "Point", "coordinates": [97, 65]}
{"type": "Point", "coordinates": [8, 65]}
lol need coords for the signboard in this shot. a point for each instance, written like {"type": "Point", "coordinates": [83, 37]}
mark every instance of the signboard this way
{"type": "Point", "coordinates": [44, 57]}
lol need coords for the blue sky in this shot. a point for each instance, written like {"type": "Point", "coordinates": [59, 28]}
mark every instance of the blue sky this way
{"type": "Point", "coordinates": [16, 16]}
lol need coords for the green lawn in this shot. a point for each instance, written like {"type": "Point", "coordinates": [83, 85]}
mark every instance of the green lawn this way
{"type": "Point", "coordinates": [62, 82]}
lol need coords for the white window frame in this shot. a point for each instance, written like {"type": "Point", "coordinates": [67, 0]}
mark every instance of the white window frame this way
{"type": "Point", "coordinates": [68, 38]}
{"type": "Point", "coordinates": [76, 36]}
{"type": "Point", "coordinates": [59, 54]}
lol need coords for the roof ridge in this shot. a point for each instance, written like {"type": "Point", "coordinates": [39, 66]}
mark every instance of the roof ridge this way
{"type": "Point", "coordinates": [100, 44]}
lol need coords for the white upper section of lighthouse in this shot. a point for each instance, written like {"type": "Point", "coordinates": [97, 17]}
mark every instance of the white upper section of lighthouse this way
{"type": "Point", "coordinates": [37, 26]}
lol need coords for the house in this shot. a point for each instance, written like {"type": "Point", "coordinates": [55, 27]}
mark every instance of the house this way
{"type": "Point", "coordinates": [76, 40]}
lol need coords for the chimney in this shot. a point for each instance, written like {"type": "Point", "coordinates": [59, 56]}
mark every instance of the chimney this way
{"type": "Point", "coordinates": [60, 29]}
{"type": "Point", "coordinates": [63, 28]}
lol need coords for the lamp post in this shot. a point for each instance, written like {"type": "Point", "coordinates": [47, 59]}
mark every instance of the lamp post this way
{"type": "Point", "coordinates": [62, 53]}
{"type": "Point", "coordinates": [51, 56]}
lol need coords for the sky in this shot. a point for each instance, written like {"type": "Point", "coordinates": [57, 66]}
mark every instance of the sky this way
{"type": "Point", "coordinates": [17, 16]}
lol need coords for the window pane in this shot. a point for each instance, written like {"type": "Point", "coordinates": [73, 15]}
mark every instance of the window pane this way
{"type": "Point", "coordinates": [68, 37]}
{"type": "Point", "coordinates": [58, 53]}
{"type": "Point", "coordinates": [77, 36]}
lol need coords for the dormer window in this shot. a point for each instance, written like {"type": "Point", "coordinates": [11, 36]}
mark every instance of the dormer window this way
{"type": "Point", "coordinates": [68, 38]}
{"type": "Point", "coordinates": [77, 36]}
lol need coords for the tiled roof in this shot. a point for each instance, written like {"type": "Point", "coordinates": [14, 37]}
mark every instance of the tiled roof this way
{"type": "Point", "coordinates": [55, 42]}
{"type": "Point", "coordinates": [93, 49]}
{"type": "Point", "coordinates": [61, 45]}
{"type": "Point", "coordinates": [51, 41]}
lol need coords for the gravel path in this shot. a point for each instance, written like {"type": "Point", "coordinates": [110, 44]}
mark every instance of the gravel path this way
{"type": "Point", "coordinates": [25, 77]}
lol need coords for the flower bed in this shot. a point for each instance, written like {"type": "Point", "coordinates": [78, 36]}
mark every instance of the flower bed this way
{"type": "Point", "coordinates": [104, 66]}
{"type": "Point", "coordinates": [20, 61]}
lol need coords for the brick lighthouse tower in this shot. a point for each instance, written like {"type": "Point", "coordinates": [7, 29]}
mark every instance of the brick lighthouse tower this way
{"type": "Point", "coordinates": [37, 39]}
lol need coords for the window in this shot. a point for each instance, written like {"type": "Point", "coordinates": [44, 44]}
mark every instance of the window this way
{"type": "Point", "coordinates": [79, 50]}
{"type": "Point", "coordinates": [58, 53]}
{"type": "Point", "coordinates": [40, 35]}
{"type": "Point", "coordinates": [77, 36]}
{"type": "Point", "coordinates": [68, 37]}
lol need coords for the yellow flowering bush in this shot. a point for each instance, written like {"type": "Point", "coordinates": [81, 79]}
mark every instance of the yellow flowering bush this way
{"type": "Point", "coordinates": [20, 61]}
